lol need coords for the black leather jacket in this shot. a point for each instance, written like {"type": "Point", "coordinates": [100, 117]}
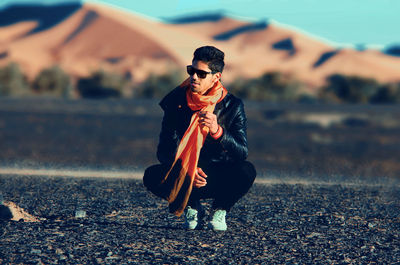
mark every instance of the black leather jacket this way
{"type": "Point", "coordinates": [230, 147]}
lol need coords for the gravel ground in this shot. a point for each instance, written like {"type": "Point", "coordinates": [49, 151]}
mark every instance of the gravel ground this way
{"type": "Point", "coordinates": [273, 224]}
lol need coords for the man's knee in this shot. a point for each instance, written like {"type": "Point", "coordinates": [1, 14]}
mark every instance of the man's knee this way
{"type": "Point", "coordinates": [249, 171]}
{"type": "Point", "coordinates": [153, 175]}
{"type": "Point", "coordinates": [242, 173]}
{"type": "Point", "coordinates": [147, 177]}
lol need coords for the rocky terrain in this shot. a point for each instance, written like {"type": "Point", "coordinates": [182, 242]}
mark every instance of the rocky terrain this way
{"type": "Point", "coordinates": [327, 191]}
{"type": "Point", "coordinates": [275, 223]}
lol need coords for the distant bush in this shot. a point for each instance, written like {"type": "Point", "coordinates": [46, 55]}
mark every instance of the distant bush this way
{"type": "Point", "coordinates": [52, 81]}
{"type": "Point", "coordinates": [102, 84]}
{"type": "Point", "coordinates": [157, 86]}
{"type": "Point", "coordinates": [274, 86]}
{"type": "Point", "coordinates": [389, 93]}
{"type": "Point", "coordinates": [349, 89]}
{"type": "Point", "coordinates": [12, 81]}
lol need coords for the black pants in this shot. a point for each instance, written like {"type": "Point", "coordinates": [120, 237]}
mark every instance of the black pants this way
{"type": "Point", "coordinates": [226, 183]}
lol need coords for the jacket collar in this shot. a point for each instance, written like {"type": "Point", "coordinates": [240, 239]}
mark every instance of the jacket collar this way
{"type": "Point", "coordinates": [177, 98]}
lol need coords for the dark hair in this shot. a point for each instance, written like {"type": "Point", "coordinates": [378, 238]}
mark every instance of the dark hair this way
{"type": "Point", "coordinates": [212, 56]}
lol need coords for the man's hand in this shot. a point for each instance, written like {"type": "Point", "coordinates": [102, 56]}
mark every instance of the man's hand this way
{"type": "Point", "coordinates": [209, 119]}
{"type": "Point", "coordinates": [200, 178]}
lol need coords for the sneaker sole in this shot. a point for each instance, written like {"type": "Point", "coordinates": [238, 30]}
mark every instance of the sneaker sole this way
{"type": "Point", "coordinates": [223, 228]}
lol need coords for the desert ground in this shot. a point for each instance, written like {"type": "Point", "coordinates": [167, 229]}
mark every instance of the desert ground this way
{"type": "Point", "coordinates": [327, 190]}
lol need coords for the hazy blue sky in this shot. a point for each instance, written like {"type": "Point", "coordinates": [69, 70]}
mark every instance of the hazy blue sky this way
{"type": "Point", "coordinates": [340, 21]}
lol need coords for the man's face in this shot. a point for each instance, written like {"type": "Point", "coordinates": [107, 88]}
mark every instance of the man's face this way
{"type": "Point", "coordinates": [202, 85]}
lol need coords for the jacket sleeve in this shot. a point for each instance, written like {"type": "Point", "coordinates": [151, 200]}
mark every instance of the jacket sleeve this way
{"type": "Point", "coordinates": [234, 138]}
{"type": "Point", "coordinates": [168, 139]}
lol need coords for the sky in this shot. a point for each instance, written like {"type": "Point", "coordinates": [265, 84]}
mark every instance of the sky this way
{"type": "Point", "coordinates": [340, 22]}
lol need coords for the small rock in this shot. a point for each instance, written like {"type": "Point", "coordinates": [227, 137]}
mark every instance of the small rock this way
{"type": "Point", "coordinates": [36, 251]}
{"type": "Point", "coordinates": [372, 248]}
{"type": "Point", "coordinates": [313, 234]}
{"type": "Point", "coordinates": [80, 214]}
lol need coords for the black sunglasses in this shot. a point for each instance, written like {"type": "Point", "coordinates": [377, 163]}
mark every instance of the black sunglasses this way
{"type": "Point", "coordinates": [200, 73]}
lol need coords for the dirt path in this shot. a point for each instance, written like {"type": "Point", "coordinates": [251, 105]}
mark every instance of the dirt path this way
{"type": "Point", "coordinates": [137, 175]}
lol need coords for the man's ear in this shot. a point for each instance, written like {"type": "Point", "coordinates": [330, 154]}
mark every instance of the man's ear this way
{"type": "Point", "coordinates": [217, 76]}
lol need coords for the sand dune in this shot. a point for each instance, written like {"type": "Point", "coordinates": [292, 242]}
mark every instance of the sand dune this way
{"type": "Point", "coordinates": [98, 36]}
{"type": "Point", "coordinates": [14, 31]}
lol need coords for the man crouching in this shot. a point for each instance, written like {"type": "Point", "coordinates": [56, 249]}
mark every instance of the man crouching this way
{"type": "Point", "coordinates": [202, 146]}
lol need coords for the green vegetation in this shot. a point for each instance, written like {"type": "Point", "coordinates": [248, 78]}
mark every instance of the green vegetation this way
{"type": "Point", "coordinates": [270, 87]}
{"type": "Point", "coordinates": [354, 89]}
{"type": "Point", "coordinates": [389, 93]}
{"type": "Point", "coordinates": [157, 86]}
{"type": "Point", "coordinates": [274, 87]}
{"type": "Point", "coordinates": [52, 81]}
{"type": "Point", "coordinates": [101, 84]}
{"type": "Point", "coordinates": [349, 89]}
{"type": "Point", "coordinates": [12, 81]}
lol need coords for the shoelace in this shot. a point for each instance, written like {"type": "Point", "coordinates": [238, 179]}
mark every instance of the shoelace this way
{"type": "Point", "coordinates": [191, 215]}
{"type": "Point", "coordinates": [219, 216]}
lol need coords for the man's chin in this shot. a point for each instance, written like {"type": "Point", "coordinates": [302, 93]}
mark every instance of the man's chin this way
{"type": "Point", "coordinates": [193, 89]}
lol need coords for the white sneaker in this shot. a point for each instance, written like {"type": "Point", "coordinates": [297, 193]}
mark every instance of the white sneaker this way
{"type": "Point", "coordinates": [193, 217]}
{"type": "Point", "coordinates": [218, 222]}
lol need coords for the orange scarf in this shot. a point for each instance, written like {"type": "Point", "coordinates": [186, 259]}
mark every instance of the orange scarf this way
{"type": "Point", "coordinates": [180, 177]}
